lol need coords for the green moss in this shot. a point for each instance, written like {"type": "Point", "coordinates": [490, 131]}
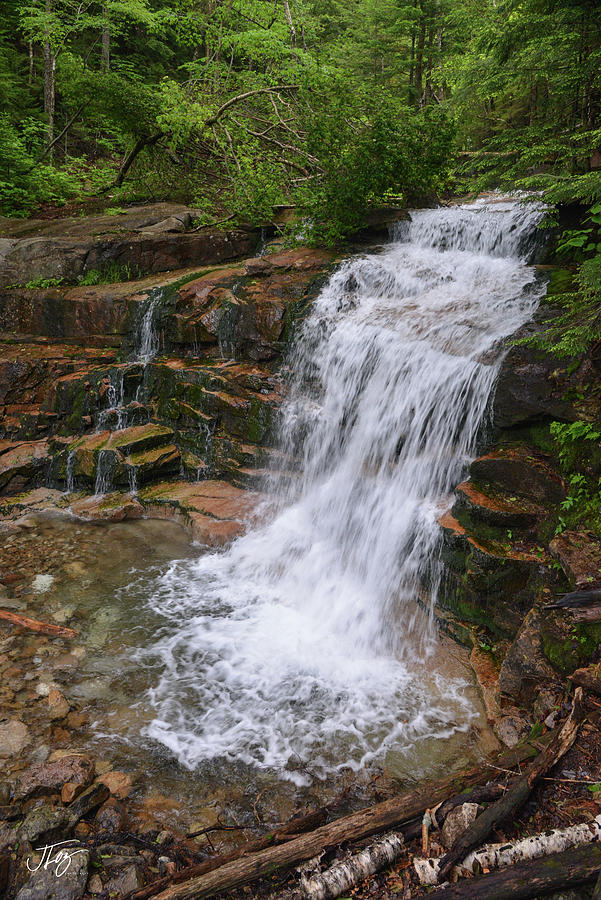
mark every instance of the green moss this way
{"type": "Point", "coordinates": [569, 647]}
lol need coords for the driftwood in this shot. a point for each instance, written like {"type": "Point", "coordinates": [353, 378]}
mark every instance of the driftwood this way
{"type": "Point", "coordinates": [338, 879]}
{"type": "Point", "coordinates": [363, 824]}
{"type": "Point", "coordinates": [585, 678]}
{"type": "Point", "coordinates": [517, 795]}
{"type": "Point", "coordinates": [286, 832]}
{"type": "Point", "coordinates": [485, 793]}
{"type": "Point", "coordinates": [499, 856]}
{"type": "Point", "coordinates": [533, 878]}
{"type": "Point", "coordinates": [34, 625]}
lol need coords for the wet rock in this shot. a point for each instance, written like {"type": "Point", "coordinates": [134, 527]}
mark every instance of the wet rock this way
{"type": "Point", "coordinates": [119, 784]}
{"type": "Point", "coordinates": [458, 821]}
{"type": "Point", "coordinates": [8, 836]}
{"type": "Point", "coordinates": [58, 706]}
{"type": "Point", "coordinates": [580, 557]}
{"type": "Point", "coordinates": [95, 885]}
{"type": "Point", "coordinates": [44, 822]}
{"type": "Point", "coordinates": [519, 471]}
{"type": "Point", "coordinates": [22, 467]}
{"type": "Point", "coordinates": [70, 791]}
{"type": "Point", "coordinates": [565, 644]}
{"type": "Point", "coordinates": [111, 816]}
{"type": "Point", "coordinates": [14, 737]}
{"type": "Point", "coordinates": [525, 668]}
{"type": "Point", "coordinates": [125, 879]}
{"type": "Point", "coordinates": [70, 885]}
{"type": "Point", "coordinates": [49, 777]}
{"type": "Point", "coordinates": [487, 676]}
{"type": "Point", "coordinates": [510, 730]}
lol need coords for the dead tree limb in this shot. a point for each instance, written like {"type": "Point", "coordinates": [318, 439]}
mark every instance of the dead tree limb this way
{"type": "Point", "coordinates": [500, 856]}
{"type": "Point", "coordinates": [515, 798]}
{"type": "Point", "coordinates": [239, 97]}
{"type": "Point", "coordinates": [141, 143]}
{"type": "Point", "coordinates": [586, 679]}
{"type": "Point", "coordinates": [338, 879]}
{"type": "Point", "coordinates": [363, 824]}
{"type": "Point", "coordinates": [533, 878]}
{"type": "Point", "coordinates": [34, 625]}
{"type": "Point", "coordinates": [55, 141]}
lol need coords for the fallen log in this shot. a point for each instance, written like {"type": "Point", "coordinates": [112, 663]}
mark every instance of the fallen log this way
{"type": "Point", "coordinates": [291, 829]}
{"type": "Point", "coordinates": [533, 878]}
{"type": "Point", "coordinates": [343, 876]}
{"type": "Point", "coordinates": [585, 678]}
{"type": "Point", "coordinates": [516, 796]}
{"type": "Point", "coordinates": [499, 856]}
{"type": "Point", "coordinates": [34, 625]}
{"type": "Point", "coordinates": [363, 824]}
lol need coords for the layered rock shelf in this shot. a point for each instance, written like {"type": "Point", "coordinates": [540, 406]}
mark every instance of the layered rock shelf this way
{"type": "Point", "coordinates": [110, 389]}
{"type": "Point", "coordinates": [507, 555]}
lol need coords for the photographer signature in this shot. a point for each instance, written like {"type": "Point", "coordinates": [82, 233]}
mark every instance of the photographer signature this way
{"type": "Point", "coordinates": [62, 859]}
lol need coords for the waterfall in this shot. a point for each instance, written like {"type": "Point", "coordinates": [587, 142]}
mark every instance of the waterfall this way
{"type": "Point", "coordinates": [304, 641]}
{"type": "Point", "coordinates": [105, 469]}
{"type": "Point", "coordinates": [70, 472]}
{"type": "Point", "coordinates": [147, 336]}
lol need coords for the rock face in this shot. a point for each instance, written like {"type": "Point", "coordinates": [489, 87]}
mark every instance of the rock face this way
{"type": "Point", "coordinates": [505, 560]}
{"type": "Point", "coordinates": [147, 397]}
{"type": "Point", "coordinates": [143, 240]}
{"type": "Point", "coordinates": [208, 390]}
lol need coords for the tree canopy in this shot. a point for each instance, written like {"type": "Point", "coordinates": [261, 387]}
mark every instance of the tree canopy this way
{"type": "Point", "coordinates": [239, 106]}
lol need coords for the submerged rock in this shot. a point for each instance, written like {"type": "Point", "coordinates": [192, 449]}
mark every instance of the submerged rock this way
{"type": "Point", "coordinates": [14, 737]}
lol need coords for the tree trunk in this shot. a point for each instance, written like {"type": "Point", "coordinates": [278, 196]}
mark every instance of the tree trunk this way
{"type": "Point", "coordinates": [49, 82]}
{"type": "Point", "coordinates": [291, 27]}
{"type": "Point", "coordinates": [419, 60]}
{"type": "Point", "coordinates": [106, 45]}
{"type": "Point", "coordinates": [534, 878]}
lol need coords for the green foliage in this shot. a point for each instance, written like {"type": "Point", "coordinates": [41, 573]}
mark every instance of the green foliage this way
{"type": "Point", "coordinates": [576, 444]}
{"type": "Point", "coordinates": [113, 273]}
{"type": "Point", "coordinates": [40, 283]}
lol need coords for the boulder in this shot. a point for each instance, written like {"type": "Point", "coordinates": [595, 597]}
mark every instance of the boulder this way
{"type": "Point", "coordinates": [525, 667]}
{"type": "Point", "coordinates": [49, 777]}
{"type": "Point", "coordinates": [145, 240]}
{"type": "Point", "coordinates": [69, 885]}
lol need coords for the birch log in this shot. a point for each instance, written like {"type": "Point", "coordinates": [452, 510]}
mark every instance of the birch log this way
{"type": "Point", "coordinates": [339, 878]}
{"type": "Point", "coordinates": [517, 795]}
{"type": "Point", "coordinates": [499, 856]}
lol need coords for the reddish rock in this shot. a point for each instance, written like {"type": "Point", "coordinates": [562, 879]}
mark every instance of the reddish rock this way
{"type": "Point", "coordinates": [58, 706]}
{"type": "Point", "coordinates": [50, 777]}
{"type": "Point", "coordinates": [70, 791]}
{"type": "Point", "coordinates": [580, 557]}
{"type": "Point", "coordinates": [119, 784]}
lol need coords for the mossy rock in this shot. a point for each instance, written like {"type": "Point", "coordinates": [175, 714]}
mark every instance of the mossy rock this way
{"type": "Point", "coordinates": [566, 644]}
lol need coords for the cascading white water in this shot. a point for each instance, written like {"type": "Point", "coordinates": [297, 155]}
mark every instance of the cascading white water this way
{"type": "Point", "coordinates": [148, 339]}
{"type": "Point", "coordinates": [304, 640]}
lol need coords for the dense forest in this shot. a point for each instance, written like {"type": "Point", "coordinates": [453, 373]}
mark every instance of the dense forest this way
{"type": "Point", "coordinates": [238, 106]}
